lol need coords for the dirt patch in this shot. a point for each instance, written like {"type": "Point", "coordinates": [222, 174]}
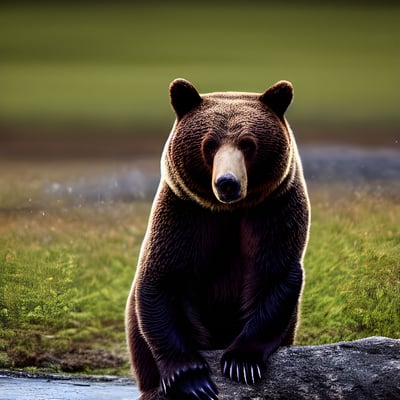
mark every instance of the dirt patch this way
{"type": "Point", "coordinates": [72, 361]}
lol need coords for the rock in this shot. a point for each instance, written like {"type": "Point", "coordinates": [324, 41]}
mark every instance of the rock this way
{"type": "Point", "coordinates": [363, 369]}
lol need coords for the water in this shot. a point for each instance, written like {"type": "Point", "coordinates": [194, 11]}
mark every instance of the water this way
{"type": "Point", "coordinates": [18, 388]}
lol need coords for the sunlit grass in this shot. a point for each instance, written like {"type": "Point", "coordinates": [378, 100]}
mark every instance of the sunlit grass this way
{"type": "Point", "coordinates": [65, 276]}
{"type": "Point", "coordinates": [353, 271]}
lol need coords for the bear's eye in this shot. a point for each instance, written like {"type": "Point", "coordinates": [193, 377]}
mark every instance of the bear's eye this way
{"type": "Point", "coordinates": [247, 146]}
{"type": "Point", "coordinates": [210, 147]}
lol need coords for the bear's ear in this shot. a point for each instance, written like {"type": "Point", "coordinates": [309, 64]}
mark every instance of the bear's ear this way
{"type": "Point", "coordinates": [278, 97]}
{"type": "Point", "coordinates": [184, 96]}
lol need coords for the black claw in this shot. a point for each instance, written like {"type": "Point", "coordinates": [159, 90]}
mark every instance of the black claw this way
{"type": "Point", "coordinates": [163, 386]}
{"type": "Point", "coordinates": [225, 367]}
{"type": "Point", "coordinates": [241, 370]}
{"type": "Point", "coordinates": [196, 395]}
{"type": "Point", "coordinates": [213, 391]}
{"type": "Point", "coordinates": [205, 394]}
{"type": "Point", "coordinates": [245, 366]}
{"type": "Point", "coordinates": [258, 371]}
{"type": "Point", "coordinates": [190, 383]}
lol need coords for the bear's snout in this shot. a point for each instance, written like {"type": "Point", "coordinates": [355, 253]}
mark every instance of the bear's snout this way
{"type": "Point", "coordinates": [228, 187]}
{"type": "Point", "coordinates": [229, 177]}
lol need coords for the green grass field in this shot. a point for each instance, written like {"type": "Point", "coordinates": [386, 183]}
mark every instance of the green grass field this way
{"type": "Point", "coordinates": [67, 266]}
{"type": "Point", "coordinates": [110, 65]}
{"type": "Point", "coordinates": [352, 269]}
{"type": "Point", "coordinates": [64, 282]}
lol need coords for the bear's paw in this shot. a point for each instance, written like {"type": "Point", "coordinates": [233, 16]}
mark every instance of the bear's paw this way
{"type": "Point", "coordinates": [189, 381]}
{"type": "Point", "coordinates": [242, 366]}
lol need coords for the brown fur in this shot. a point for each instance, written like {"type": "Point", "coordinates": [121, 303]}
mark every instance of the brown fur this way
{"type": "Point", "coordinates": [220, 268]}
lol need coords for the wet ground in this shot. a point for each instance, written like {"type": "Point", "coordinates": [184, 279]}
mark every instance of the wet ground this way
{"type": "Point", "coordinates": [22, 386]}
{"type": "Point", "coordinates": [103, 180]}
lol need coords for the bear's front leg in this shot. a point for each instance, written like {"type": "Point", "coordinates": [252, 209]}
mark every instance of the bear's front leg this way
{"type": "Point", "coordinates": [184, 374]}
{"type": "Point", "coordinates": [266, 328]}
{"type": "Point", "coordinates": [160, 289]}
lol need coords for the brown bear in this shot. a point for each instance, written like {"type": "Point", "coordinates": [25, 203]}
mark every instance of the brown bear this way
{"type": "Point", "coordinates": [221, 263]}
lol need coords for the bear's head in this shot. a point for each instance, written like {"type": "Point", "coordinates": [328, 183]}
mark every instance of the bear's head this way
{"type": "Point", "coordinates": [228, 150]}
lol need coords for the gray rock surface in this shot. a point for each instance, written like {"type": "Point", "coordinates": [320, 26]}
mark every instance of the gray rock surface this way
{"type": "Point", "coordinates": [363, 369]}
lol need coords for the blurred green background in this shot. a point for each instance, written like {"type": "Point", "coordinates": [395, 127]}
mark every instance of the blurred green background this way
{"type": "Point", "coordinates": [109, 64]}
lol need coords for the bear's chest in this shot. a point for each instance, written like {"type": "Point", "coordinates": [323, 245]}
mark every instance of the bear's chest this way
{"type": "Point", "coordinates": [223, 259]}
{"type": "Point", "coordinates": [216, 303]}
{"type": "Point", "coordinates": [218, 280]}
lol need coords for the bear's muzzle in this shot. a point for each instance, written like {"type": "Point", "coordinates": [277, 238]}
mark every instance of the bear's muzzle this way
{"type": "Point", "coordinates": [229, 177]}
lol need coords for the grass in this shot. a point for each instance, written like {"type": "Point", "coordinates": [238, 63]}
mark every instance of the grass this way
{"type": "Point", "coordinates": [66, 268]}
{"type": "Point", "coordinates": [74, 63]}
{"type": "Point", "coordinates": [64, 280]}
{"type": "Point", "coordinates": [352, 267]}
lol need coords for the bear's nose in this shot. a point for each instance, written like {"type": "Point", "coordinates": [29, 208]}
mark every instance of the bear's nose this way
{"type": "Point", "coordinates": [228, 187]}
